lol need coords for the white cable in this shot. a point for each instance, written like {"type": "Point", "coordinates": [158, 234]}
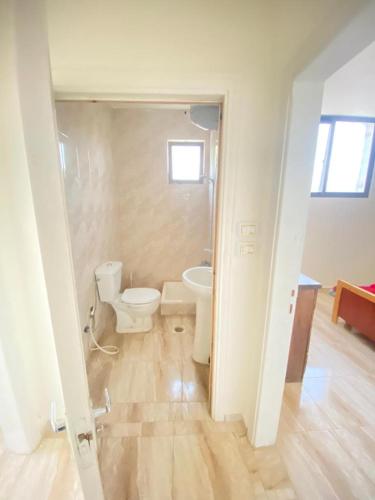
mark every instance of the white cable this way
{"type": "Point", "coordinates": [107, 349]}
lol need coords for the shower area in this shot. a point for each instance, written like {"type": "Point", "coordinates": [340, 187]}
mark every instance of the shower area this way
{"type": "Point", "coordinates": [140, 184]}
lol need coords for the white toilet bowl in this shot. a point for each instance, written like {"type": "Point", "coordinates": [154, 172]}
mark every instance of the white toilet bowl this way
{"type": "Point", "coordinates": [134, 309]}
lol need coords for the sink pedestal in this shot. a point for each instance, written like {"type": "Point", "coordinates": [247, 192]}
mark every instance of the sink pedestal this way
{"type": "Point", "coordinates": [202, 338]}
{"type": "Point", "coordinates": [199, 280]}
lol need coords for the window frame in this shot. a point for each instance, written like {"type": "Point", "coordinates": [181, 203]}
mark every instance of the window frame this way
{"type": "Point", "coordinates": [332, 119]}
{"type": "Point", "coordinates": [201, 145]}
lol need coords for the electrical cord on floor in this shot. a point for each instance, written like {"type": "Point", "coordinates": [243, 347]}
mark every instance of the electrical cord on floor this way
{"type": "Point", "coordinates": [111, 350]}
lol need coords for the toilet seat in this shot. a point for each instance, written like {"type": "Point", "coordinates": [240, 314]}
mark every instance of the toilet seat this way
{"type": "Point", "coordinates": [140, 296]}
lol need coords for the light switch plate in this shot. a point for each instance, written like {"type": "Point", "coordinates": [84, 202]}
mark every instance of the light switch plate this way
{"type": "Point", "coordinates": [247, 230]}
{"type": "Point", "coordinates": [247, 249]}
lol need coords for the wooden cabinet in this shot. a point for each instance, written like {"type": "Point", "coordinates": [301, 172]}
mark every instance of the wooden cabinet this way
{"type": "Point", "coordinates": [300, 341]}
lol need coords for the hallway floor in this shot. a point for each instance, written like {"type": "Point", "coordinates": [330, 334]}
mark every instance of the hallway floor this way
{"type": "Point", "coordinates": [160, 443]}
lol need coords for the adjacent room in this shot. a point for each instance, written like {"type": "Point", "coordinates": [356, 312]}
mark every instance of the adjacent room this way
{"type": "Point", "coordinates": [327, 417]}
{"type": "Point", "coordinates": [140, 184]}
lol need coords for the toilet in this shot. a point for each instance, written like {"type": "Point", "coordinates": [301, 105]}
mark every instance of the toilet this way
{"type": "Point", "coordinates": [134, 307]}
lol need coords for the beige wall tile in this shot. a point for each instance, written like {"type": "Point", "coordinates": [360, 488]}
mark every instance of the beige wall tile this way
{"type": "Point", "coordinates": [164, 227]}
{"type": "Point", "coordinates": [88, 172]}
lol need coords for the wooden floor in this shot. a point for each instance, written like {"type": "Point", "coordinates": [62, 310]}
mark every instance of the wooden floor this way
{"type": "Point", "coordinates": [160, 443]}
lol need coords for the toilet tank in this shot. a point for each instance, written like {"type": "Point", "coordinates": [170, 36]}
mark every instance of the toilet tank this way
{"type": "Point", "coordinates": [108, 279]}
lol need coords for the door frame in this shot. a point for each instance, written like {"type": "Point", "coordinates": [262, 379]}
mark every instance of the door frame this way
{"type": "Point", "coordinates": [304, 112]}
{"type": "Point", "coordinates": [217, 262]}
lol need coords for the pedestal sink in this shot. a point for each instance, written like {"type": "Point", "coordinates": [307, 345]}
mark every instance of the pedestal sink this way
{"type": "Point", "coordinates": [199, 281]}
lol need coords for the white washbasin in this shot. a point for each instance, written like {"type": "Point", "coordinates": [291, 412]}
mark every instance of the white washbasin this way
{"type": "Point", "coordinates": [199, 280]}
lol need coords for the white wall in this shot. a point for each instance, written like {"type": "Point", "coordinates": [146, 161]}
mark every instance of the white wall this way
{"type": "Point", "coordinates": [340, 235]}
{"type": "Point", "coordinates": [29, 378]}
{"type": "Point", "coordinates": [350, 91]}
{"type": "Point", "coordinates": [246, 50]}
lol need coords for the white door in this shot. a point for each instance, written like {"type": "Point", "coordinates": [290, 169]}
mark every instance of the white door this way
{"type": "Point", "coordinates": [31, 94]}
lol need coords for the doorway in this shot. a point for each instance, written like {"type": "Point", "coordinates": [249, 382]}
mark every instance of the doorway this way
{"type": "Point", "coordinates": [299, 151]}
{"type": "Point", "coordinates": [137, 197]}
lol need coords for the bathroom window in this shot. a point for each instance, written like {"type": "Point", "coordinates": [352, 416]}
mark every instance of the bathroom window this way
{"type": "Point", "coordinates": [344, 157]}
{"type": "Point", "coordinates": [185, 161]}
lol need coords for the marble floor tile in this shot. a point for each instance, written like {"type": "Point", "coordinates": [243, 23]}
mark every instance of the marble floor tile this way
{"type": "Point", "coordinates": [132, 382]}
{"type": "Point", "coordinates": [145, 412]}
{"type": "Point", "coordinates": [237, 427]}
{"type": "Point", "coordinates": [162, 428]}
{"type": "Point", "coordinates": [144, 381]}
{"type": "Point", "coordinates": [155, 467]}
{"type": "Point", "coordinates": [189, 411]}
{"type": "Point", "coordinates": [195, 381]}
{"type": "Point", "coordinates": [187, 342]}
{"type": "Point", "coordinates": [268, 472]}
{"type": "Point", "coordinates": [151, 366]}
{"type": "Point", "coordinates": [122, 429]}
{"type": "Point", "coordinates": [137, 347]}
{"type": "Point", "coordinates": [187, 427]}
{"type": "Point", "coordinates": [99, 372]}
{"type": "Point", "coordinates": [191, 478]}
{"type": "Point", "coordinates": [272, 472]}
{"type": "Point", "coordinates": [167, 346]}
{"type": "Point", "coordinates": [118, 461]}
{"type": "Point", "coordinates": [168, 381]}
{"type": "Point", "coordinates": [227, 471]}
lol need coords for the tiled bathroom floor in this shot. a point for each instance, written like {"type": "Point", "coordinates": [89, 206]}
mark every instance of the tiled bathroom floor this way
{"type": "Point", "coordinates": [159, 442]}
{"type": "Point", "coordinates": [151, 367]}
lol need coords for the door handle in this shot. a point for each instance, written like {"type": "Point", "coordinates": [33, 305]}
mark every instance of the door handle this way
{"type": "Point", "coordinates": [104, 410]}
{"type": "Point", "coordinates": [57, 424]}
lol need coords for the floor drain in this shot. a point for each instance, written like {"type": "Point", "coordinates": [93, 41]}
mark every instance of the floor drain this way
{"type": "Point", "coordinates": [179, 329]}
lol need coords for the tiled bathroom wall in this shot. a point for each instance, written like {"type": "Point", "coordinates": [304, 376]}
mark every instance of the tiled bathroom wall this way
{"type": "Point", "coordinates": [89, 178]}
{"type": "Point", "coordinates": [120, 203]}
{"type": "Point", "coordinates": [163, 228]}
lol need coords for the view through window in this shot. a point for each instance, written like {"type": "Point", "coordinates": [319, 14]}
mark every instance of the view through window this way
{"type": "Point", "coordinates": [344, 157]}
{"type": "Point", "coordinates": [185, 161]}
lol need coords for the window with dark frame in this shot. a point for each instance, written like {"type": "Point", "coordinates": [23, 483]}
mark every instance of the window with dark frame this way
{"type": "Point", "coordinates": [185, 161]}
{"type": "Point", "coordinates": [344, 157]}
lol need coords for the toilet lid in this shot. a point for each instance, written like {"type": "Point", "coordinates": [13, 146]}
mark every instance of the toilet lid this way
{"type": "Point", "coordinates": [140, 295]}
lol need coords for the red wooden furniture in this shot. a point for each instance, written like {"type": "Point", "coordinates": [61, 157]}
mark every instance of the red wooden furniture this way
{"type": "Point", "coordinates": [355, 306]}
